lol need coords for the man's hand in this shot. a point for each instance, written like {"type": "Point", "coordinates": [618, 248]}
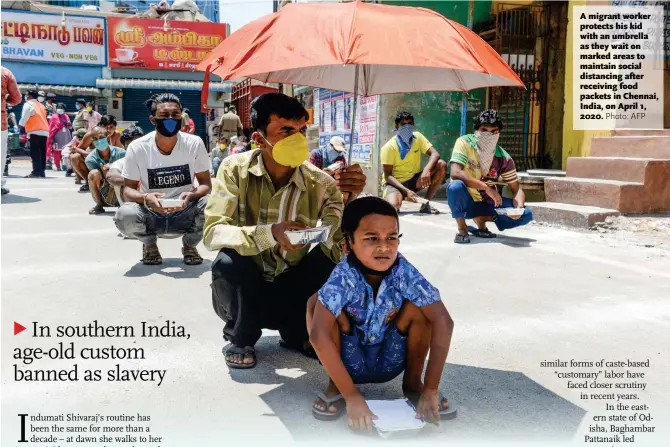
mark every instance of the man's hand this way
{"type": "Point", "coordinates": [187, 197]}
{"type": "Point", "coordinates": [425, 178]}
{"type": "Point", "coordinates": [428, 406]}
{"type": "Point", "coordinates": [351, 180]}
{"type": "Point", "coordinates": [151, 201]}
{"type": "Point", "coordinates": [279, 233]}
{"type": "Point", "coordinates": [104, 169]}
{"type": "Point", "coordinates": [412, 196]}
{"type": "Point", "coordinates": [493, 194]}
{"type": "Point", "coordinates": [359, 416]}
{"type": "Point", "coordinates": [519, 203]}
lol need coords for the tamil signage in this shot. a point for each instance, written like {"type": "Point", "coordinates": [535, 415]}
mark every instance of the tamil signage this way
{"type": "Point", "coordinates": [159, 44]}
{"type": "Point", "coordinates": [49, 38]}
{"type": "Point", "coordinates": [333, 113]}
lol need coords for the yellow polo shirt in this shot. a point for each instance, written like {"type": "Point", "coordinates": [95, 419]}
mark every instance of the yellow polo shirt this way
{"type": "Point", "coordinates": [405, 169]}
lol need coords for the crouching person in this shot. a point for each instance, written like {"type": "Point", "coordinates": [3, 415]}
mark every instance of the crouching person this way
{"type": "Point", "coordinates": [377, 317]}
{"type": "Point", "coordinates": [160, 169]}
{"type": "Point", "coordinates": [98, 163]}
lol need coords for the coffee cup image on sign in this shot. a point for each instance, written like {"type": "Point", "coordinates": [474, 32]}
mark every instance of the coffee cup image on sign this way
{"type": "Point", "coordinates": [125, 54]}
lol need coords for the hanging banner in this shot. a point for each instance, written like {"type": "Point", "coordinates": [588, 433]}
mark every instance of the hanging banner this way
{"type": "Point", "coordinates": [335, 110]}
{"type": "Point", "coordinates": [50, 38]}
{"type": "Point", "coordinates": [159, 44]}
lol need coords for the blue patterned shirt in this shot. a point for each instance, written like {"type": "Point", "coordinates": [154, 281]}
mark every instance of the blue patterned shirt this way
{"type": "Point", "coordinates": [347, 290]}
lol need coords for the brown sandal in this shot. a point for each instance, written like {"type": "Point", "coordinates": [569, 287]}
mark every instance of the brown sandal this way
{"type": "Point", "coordinates": [191, 256]}
{"type": "Point", "coordinates": [151, 255]}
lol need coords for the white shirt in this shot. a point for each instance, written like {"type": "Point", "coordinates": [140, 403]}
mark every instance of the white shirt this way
{"type": "Point", "coordinates": [168, 174]}
{"type": "Point", "coordinates": [26, 113]}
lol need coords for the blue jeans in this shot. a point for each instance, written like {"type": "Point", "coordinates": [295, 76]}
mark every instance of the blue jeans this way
{"type": "Point", "coordinates": [215, 165]}
{"type": "Point", "coordinates": [462, 206]}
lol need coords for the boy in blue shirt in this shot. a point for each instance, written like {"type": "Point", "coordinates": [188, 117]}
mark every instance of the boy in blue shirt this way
{"type": "Point", "coordinates": [376, 317]}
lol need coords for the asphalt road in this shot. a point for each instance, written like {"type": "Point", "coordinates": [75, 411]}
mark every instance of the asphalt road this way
{"type": "Point", "coordinates": [535, 294]}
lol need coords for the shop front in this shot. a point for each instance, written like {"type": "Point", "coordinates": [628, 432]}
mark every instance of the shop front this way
{"type": "Point", "coordinates": [148, 57]}
{"type": "Point", "coordinates": [60, 54]}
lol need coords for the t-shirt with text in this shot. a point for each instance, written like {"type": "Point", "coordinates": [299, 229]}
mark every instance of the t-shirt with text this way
{"type": "Point", "coordinates": [168, 174]}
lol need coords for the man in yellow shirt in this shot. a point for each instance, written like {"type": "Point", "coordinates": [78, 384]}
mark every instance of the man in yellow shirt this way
{"type": "Point", "coordinates": [401, 158]}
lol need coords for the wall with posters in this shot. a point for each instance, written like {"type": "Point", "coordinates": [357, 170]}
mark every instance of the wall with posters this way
{"type": "Point", "coordinates": [145, 43]}
{"type": "Point", "coordinates": [333, 113]}
{"type": "Point", "coordinates": [74, 53]}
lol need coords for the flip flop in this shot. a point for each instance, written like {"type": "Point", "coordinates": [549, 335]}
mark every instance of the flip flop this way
{"type": "Point", "coordinates": [329, 401]}
{"type": "Point", "coordinates": [462, 238]}
{"type": "Point", "coordinates": [236, 350]}
{"type": "Point", "coordinates": [484, 234]}
{"type": "Point", "coordinates": [445, 413]}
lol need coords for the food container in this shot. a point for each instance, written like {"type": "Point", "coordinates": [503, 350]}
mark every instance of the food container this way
{"type": "Point", "coordinates": [510, 212]}
{"type": "Point", "coordinates": [310, 236]}
{"type": "Point", "coordinates": [338, 165]}
{"type": "Point", "coordinates": [171, 203]}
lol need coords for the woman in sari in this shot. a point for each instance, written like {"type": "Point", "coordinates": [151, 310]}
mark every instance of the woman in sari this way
{"type": "Point", "coordinates": [59, 134]}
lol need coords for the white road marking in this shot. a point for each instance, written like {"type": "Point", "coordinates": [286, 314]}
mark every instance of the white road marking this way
{"type": "Point", "coordinates": [45, 217]}
{"type": "Point", "coordinates": [75, 234]}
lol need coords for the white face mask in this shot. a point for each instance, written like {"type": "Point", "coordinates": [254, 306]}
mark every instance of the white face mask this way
{"type": "Point", "coordinates": [60, 111]}
{"type": "Point", "coordinates": [486, 148]}
{"type": "Point", "coordinates": [40, 98]}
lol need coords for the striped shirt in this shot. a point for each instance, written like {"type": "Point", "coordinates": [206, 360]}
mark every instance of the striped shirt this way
{"type": "Point", "coordinates": [244, 205]}
{"type": "Point", "coordinates": [502, 167]}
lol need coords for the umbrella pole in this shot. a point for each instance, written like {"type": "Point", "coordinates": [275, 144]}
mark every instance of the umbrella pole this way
{"type": "Point", "coordinates": [353, 116]}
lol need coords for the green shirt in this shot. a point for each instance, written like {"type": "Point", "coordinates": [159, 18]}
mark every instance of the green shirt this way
{"type": "Point", "coordinates": [244, 205]}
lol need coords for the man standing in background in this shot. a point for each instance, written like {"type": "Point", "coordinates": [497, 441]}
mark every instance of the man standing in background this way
{"type": "Point", "coordinates": [34, 119]}
{"type": "Point", "coordinates": [230, 124]}
{"type": "Point", "coordinates": [12, 96]}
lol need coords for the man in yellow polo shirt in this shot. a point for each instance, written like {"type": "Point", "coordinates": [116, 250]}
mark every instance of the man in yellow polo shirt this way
{"type": "Point", "coordinates": [401, 158]}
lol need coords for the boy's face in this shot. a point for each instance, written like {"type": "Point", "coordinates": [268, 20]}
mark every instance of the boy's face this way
{"type": "Point", "coordinates": [376, 241]}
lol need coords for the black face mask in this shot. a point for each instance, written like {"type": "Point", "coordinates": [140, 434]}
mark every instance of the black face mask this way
{"type": "Point", "coordinates": [168, 127]}
{"type": "Point", "coordinates": [353, 259]}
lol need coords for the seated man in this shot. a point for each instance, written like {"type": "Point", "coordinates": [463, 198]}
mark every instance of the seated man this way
{"type": "Point", "coordinates": [376, 317]}
{"type": "Point", "coordinates": [77, 157]}
{"type": "Point", "coordinates": [98, 163]}
{"type": "Point", "coordinates": [218, 154]}
{"type": "Point", "coordinates": [165, 164]}
{"type": "Point", "coordinates": [259, 279]}
{"type": "Point", "coordinates": [476, 164]}
{"type": "Point", "coordinates": [333, 153]}
{"type": "Point", "coordinates": [401, 158]}
{"type": "Point", "coordinates": [69, 150]}
{"type": "Point", "coordinates": [115, 173]}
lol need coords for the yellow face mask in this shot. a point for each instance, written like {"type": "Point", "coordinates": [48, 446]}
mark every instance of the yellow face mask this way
{"type": "Point", "coordinates": [89, 109]}
{"type": "Point", "coordinates": [291, 151]}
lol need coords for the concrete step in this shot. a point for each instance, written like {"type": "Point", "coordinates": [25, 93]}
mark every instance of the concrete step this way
{"type": "Point", "coordinates": [635, 147]}
{"type": "Point", "coordinates": [570, 215]}
{"type": "Point", "coordinates": [626, 197]}
{"type": "Point", "coordinates": [616, 168]}
{"type": "Point", "coordinates": [641, 132]}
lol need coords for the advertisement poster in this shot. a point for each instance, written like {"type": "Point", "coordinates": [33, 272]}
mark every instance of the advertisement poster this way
{"type": "Point", "coordinates": [30, 37]}
{"type": "Point", "coordinates": [143, 43]}
{"type": "Point", "coordinates": [336, 116]}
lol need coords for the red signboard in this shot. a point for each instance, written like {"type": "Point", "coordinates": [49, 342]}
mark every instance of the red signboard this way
{"type": "Point", "coordinates": [161, 45]}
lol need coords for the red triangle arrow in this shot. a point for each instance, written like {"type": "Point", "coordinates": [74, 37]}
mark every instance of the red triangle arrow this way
{"type": "Point", "coordinates": [18, 328]}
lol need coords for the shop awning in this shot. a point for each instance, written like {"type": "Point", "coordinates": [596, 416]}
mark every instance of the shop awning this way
{"type": "Point", "coordinates": [62, 90]}
{"type": "Point", "coordinates": [162, 84]}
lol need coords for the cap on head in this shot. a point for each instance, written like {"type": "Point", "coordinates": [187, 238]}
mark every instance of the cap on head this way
{"type": "Point", "coordinates": [81, 133]}
{"type": "Point", "coordinates": [338, 144]}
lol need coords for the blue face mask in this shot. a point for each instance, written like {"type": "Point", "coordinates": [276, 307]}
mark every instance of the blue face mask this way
{"type": "Point", "coordinates": [77, 106]}
{"type": "Point", "coordinates": [101, 144]}
{"type": "Point", "coordinates": [168, 127]}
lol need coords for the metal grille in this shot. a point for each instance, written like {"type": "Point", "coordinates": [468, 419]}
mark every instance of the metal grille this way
{"type": "Point", "coordinates": [521, 36]}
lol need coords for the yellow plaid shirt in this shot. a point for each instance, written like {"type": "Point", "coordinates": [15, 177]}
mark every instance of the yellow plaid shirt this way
{"type": "Point", "coordinates": [244, 205]}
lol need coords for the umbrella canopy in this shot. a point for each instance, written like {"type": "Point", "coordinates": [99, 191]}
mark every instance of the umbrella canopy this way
{"type": "Point", "coordinates": [359, 47]}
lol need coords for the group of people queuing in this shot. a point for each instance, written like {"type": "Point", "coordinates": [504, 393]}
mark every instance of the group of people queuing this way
{"type": "Point", "coordinates": [353, 300]}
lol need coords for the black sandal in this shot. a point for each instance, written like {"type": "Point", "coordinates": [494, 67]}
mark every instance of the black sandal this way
{"type": "Point", "coordinates": [98, 209]}
{"type": "Point", "coordinates": [247, 351]}
{"type": "Point", "coordinates": [462, 238]}
{"type": "Point", "coordinates": [191, 256]}
{"type": "Point", "coordinates": [484, 234]}
{"type": "Point", "coordinates": [330, 402]}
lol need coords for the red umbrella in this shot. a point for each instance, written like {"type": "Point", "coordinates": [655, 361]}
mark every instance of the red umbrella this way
{"type": "Point", "coordinates": [363, 48]}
